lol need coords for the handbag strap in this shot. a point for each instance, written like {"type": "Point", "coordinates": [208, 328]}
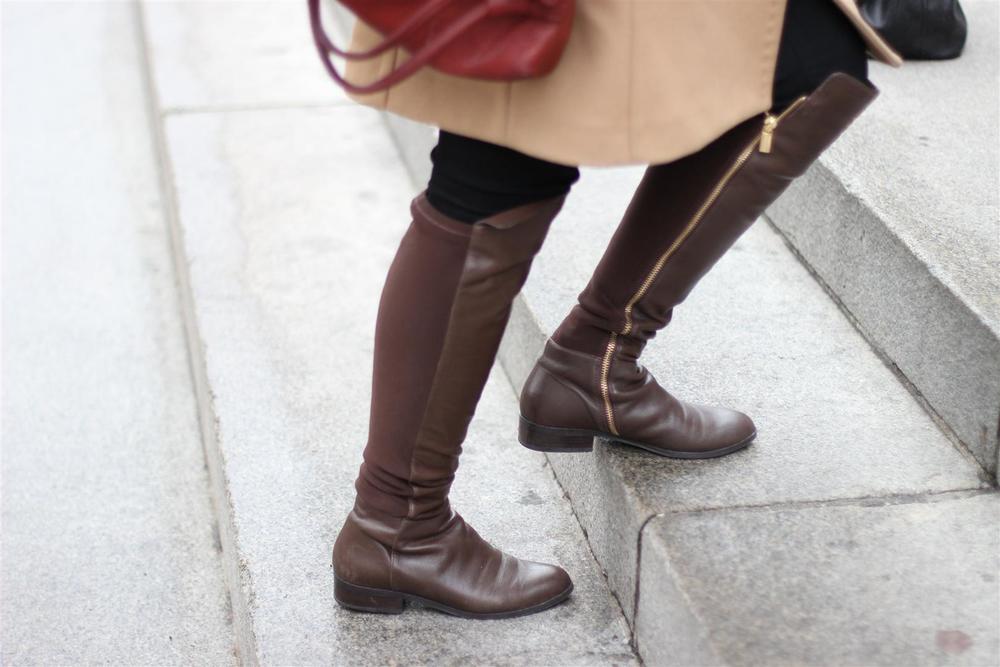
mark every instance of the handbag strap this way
{"type": "Point", "coordinates": [427, 52]}
{"type": "Point", "coordinates": [427, 11]}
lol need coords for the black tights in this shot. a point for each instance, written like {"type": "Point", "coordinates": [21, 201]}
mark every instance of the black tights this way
{"type": "Point", "coordinates": [473, 179]}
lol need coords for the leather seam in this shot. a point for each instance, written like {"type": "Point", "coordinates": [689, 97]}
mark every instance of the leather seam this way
{"type": "Point", "coordinates": [473, 239]}
{"type": "Point", "coordinates": [392, 560]}
{"type": "Point", "coordinates": [423, 418]}
{"type": "Point", "coordinates": [430, 394]}
{"type": "Point", "coordinates": [580, 396]}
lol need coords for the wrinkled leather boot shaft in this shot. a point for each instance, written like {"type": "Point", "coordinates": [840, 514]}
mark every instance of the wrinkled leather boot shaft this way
{"type": "Point", "coordinates": [444, 308]}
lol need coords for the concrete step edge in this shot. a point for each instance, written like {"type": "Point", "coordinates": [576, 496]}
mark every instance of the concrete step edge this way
{"type": "Point", "coordinates": [922, 326]}
{"type": "Point", "coordinates": [236, 575]}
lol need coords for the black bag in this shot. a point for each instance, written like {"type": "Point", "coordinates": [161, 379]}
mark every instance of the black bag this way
{"type": "Point", "coordinates": [919, 29]}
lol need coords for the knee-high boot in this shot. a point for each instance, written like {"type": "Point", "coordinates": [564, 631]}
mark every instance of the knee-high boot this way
{"type": "Point", "coordinates": [682, 219]}
{"type": "Point", "coordinates": [443, 310]}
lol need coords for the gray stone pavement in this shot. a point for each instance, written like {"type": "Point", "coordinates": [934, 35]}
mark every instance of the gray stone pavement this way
{"type": "Point", "coordinates": [108, 553]}
{"type": "Point", "coordinates": [872, 582]}
{"type": "Point", "coordinates": [853, 532]}
{"type": "Point", "coordinates": [757, 334]}
{"type": "Point", "coordinates": [290, 213]}
{"type": "Point", "coordinates": [237, 54]}
{"type": "Point", "coordinates": [290, 219]}
{"type": "Point", "coordinates": [901, 219]}
{"type": "Point", "coordinates": [286, 204]}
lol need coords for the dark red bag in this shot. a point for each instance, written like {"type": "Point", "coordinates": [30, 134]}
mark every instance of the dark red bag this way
{"type": "Point", "coordinates": [500, 40]}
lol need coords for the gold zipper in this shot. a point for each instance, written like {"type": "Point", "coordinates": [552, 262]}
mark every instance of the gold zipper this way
{"type": "Point", "coordinates": [605, 391]}
{"type": "Point", "coordinates": [767, 133]}
{"type": "Point", "coordinates": [771, 122]}
{"type": "Point", "coordinates": [763, 141]}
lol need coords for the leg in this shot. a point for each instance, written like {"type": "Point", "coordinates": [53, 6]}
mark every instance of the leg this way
{"type": "Point", "coordinates": [682, 219]}
{"type": "Point", "coordinates": [817, 39]}
{"type": "Point", "coordinates": [473, 179]}
{"type": "Point", "coordinates": [444, 306]}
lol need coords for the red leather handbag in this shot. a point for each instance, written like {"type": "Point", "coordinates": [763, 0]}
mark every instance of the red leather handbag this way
{"type": "Point", "coordinates": [500, 40]}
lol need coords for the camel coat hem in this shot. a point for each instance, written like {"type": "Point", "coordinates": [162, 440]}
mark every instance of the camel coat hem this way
{"type": "Point", "coordinates": [618, 95]}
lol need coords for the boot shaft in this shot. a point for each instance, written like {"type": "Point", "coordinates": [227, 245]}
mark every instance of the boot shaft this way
{"type": "Point", "coordinates": [683, 217]}
{"type": "Point", "coordinates": [686, 214]}
{"type": "Point", "coordinates": [444, 307]}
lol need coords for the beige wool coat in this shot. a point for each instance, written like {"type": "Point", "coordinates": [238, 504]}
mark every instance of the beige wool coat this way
{"type": "Point", "coordinates": [640, 82]}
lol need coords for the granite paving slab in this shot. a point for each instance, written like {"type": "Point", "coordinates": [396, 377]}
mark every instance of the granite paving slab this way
{"type": "Point", "coordinates": [859, 583]}
{"type": "Point", "coordinates": [290, 219]}
{"type": "Point", "coordinates": [109, 553]}
{"type": "Point", "coordinates": [901, 219]}
{"type": "Point", "coordinates": [235, 54]}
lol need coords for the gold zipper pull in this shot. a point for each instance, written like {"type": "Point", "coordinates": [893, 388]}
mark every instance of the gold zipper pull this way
{"type": "Point", "coordinates": [767, 134]}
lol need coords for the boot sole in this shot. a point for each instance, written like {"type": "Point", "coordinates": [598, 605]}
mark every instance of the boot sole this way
{"type": "Point", "coordinates": [382, 601]}
{"type": "Point", "coordinates": [567, 440]}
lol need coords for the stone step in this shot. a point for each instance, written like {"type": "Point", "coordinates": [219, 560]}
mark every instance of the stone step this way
{"type": "Point", "coordinates": [840, 434]}
{"type": "Point", "coordinates": [108, 550]}
{"type": "Point", "coordinates": [901, 220]}
{"type": "Point", "coordinates": [844, 420]}
{"type": "Point", "coordinates": [290, 215]}
{"type": "Point", "coordinates": [870, 582]}
{"type": "Point", "coordinates": [288, 240]}
{"type": "Point", "coordinates": [807, 527]}
{"type": "Point", "coordinates": [836, 427]}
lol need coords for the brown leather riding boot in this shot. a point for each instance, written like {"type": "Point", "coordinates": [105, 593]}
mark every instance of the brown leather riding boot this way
{"type": "Point", "coordinates": [444, 306]}
{"type": "Point", "coordinates": [682, 218]}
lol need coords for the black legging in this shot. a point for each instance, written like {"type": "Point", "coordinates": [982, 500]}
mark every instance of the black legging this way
{"type": "Point", "coordinates": [473, 179]}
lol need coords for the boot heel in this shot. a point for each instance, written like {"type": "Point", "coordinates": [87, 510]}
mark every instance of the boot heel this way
{"type": "Point", "coordinates": [551, 439]}
{"type": "Point", "coordinates": [362, 598]}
